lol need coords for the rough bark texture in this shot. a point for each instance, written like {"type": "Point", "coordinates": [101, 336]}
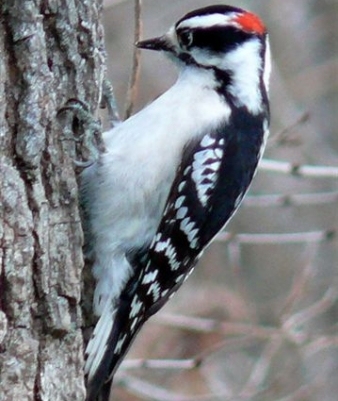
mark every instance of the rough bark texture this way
{"type": "Point", "coordinates": [50, 51]}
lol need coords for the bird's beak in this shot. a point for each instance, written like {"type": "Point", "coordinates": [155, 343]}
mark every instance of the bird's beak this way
{"type": "Point", "coordinates": [160, 43]}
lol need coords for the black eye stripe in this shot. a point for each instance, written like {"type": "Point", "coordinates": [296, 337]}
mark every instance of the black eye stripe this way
{"type": "Point", "coordinates": [216, 38]}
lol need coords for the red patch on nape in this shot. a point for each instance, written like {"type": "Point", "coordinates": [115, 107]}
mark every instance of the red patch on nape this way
{"type": "Point", "coordinates": [250, 23]}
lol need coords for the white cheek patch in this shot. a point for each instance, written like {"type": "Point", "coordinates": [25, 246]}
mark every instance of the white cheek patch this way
{"type": "Point", "coordinates": [246, 67]}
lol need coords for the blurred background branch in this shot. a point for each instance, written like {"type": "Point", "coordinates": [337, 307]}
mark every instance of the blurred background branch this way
{"type": "Point", "coordinates": [135, 72]}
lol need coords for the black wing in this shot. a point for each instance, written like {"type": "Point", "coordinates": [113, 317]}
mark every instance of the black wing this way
{"type": "Point", "coordinates": [212, 179]}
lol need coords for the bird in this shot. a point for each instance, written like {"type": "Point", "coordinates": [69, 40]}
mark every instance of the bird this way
{"type": "Point", "coordinates": [173, 175]}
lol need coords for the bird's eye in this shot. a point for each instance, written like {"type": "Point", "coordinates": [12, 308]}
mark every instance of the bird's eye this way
{"type": "Point", "coordinates": [186, 38]}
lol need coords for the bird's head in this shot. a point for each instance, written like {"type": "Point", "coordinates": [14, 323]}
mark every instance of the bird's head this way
{"type": "Point", "coordinates": [229, 41]}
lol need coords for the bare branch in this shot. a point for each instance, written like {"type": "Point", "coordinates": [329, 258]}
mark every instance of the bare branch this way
{"type": "Point", "coordinates": [149, 391]}
{"type": "Point", "coordinates": [135, 73]}
{"type": "Point", "coordinates": [291, 200]}
{"type": "Point", "coordinates": [287, 238]}
{"type": "Point", "coordinates": [234, 252]}
{"type": "Point", "coordinates": [301, 279]}
{"type": "Point", "coordinates": [284, 138]}
{"type": "Point", "coordinates": [320, 344]}
{"type": "Point", "coordinates": [146, 390]}
{"type": "Point", "coordinates": [167, 364]}
{"type": "Point", "coordinates": [293, 325]}
{"type": "Point", "coordinates": [191, 363]}
{"type": "Point", "coordinates": [261, 368]}
{"type": "Point", "coordinates": [298, 169]}
{"type": "Point", "coordinates": [211, 325]}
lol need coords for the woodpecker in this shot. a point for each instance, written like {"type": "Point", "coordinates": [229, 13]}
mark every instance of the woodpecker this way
{"type": "Point", "coordinates": [172, 176]}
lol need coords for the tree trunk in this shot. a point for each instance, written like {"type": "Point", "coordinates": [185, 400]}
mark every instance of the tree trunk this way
{"type": "Point", "coordinates": [50, 51]}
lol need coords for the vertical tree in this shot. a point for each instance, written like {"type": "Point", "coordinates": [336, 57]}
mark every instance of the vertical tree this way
{"type": "Point", "coordinates": [50, 51]}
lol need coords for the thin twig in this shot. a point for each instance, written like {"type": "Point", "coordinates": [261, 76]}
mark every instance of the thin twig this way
{"type": "Point", "coordinates": [319, 198]}
{"type": "Point", "coordinates": [231, 345]}
{"type": "Point", "coordinates": [211, 325]}
{"type": "Point", "coordinates": [293, 324]}
{"type": "Point", "coordinates": [135, 72]}
{"type": "Point", "coordinates": [320, 344]}
{"type": "Point", "coordinates": [166, 364]}
{"type": "Point", "coordinates": [284, 136]}
{"type": "Point", "coordinates": [301, 279]}
{"type": "Point", "coordinates": [234, 252]}
{"type": "Point", "coordinates": [298, 170]}
{"type": "Point", "coordinates": [273, 238]}
{"type": "Point", "coordinates": [261, 368]}
{"type": "Point", "coordinates": [148, 390]}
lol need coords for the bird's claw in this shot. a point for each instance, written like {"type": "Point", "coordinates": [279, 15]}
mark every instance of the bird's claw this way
{"type": "Point", "coordinates": [85, 131]}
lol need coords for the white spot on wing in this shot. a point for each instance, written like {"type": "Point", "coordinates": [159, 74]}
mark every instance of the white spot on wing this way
{"type": "Point", "coordinates": [192, 235]}
{"type": "Point", "coordinates": [202, 190]}
{"type": "Point", "coordinates": [207, 141]}
{"type": "Point", "coordinates": [150, 277]}
{"type": "Point", "coordinates": [154, 289]}
{"type": "Point", "coordinates": [179, 278]}
{"type": "Point", "coordinates": [219, 152]}
{"type": "Point", "coordinates": [214, 166]}
{"type": "Point", "coordinates": [119, 344]}
{"type": "Point", "coordinates": [161, 246]}
{"type": "Point", "coordinates": [133, 324]}
{"type": "Point", "coordinates": [188, 227]}
{"type": "Point", "coordinates": [136, 306]}
{"type": "Point", "coordinates": [203, 155]}
{"type": "Point", "coordinates": [169, 251]}
{"type": "Point", "coordinates": [194, 243]}
{"type": "Point", "coordinates": [181, 186]}
{"type": "Point", "coordinates": [181, 213]}
{"type": "Point", "coordinates": [179, 202]}
{"type": "Point", "coordinates": [197, 176]}
{"type": "Point", "coordinates": [205, 168]}
{"type": "Point", "coordinates": [171, 255]}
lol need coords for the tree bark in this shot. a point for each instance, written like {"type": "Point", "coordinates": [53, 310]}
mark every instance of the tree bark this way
{"type": "Point", "coordinates": [50, 51]}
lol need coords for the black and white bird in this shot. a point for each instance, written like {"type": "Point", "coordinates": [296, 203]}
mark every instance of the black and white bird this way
{"type": "Point", "coordinates": [173, 175]}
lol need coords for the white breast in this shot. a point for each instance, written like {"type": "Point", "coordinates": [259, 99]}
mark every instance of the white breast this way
{"type": "Point", "coordinates": [128, 187]}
